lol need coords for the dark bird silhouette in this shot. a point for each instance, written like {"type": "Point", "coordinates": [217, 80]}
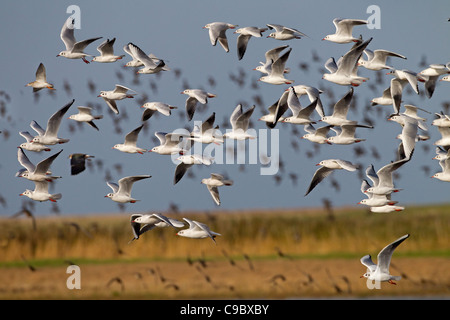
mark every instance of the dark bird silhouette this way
{"type": "Point", "coordinates": [78, 162]}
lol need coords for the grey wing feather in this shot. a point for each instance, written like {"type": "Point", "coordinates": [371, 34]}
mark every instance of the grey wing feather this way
{"type": "Point", "coordinates": [319, 175]}
{"type": "Point", "coordinates": [385, 255]}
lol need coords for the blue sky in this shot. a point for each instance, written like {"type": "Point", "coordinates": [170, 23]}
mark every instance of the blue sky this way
{"type": "Point", "coordinates": [172, 30]}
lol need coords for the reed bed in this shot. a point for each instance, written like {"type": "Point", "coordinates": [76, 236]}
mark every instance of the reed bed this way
{"type": "Point", "coordinates": [348, 232]}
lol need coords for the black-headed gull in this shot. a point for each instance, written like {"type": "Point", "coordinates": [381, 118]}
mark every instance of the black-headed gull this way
{"type": "Point", "coordinates": [129, 145]}
{"type": "Point", "coordinates": [299, 115]}
{"type": "Point", "coordinates": [344, 72]}
{"type": "Point", "coordinates": [276, 75]}
{"type": "Point", "coordinates": [382, 180]}
{"type": "Point", "coordinates": [239, 124]}
{"type": "Point", "coordinates": [197, 230]}
{"type": "Point", "coordinates": [444, 141]}
{"type": "Point", "coordinates": [340, 111]}
{"type": "Point", "coordinates": [40, 193]}
{"type": "Point", "coordinates": [319, 135]}
{"type": "Point", "coordinates": [141, 223]}
{"type": "Point", "coordinates": [271, 56]}
{"type": "Point", "coordinates": [122, 191]}
{"type": "Point", "coordinates": [119, 93]}
{"type": "Point", "coordinates": [135, 62]}
{"type": "Point", "coordinates": [85, 115]}
{"type": "Point", "coordinates": [39, 171]}
{"type": "Point", "coordinates": [442, 120]}
{"type": "Point", "coordinates": [106, 50]}
{"type": "Point", "coordinates": [346, 134]}
{"type": "Point", "coordinates": [313, 94]}
{"type": "Point", "coordinates": [375, 200]}
{"type": "Point", "coordinates": [431, 75]}
{"type": "Point", "coordinates": [151, 66]}
{"type": "Point", "coordinates": [217, 32]}
{"type": "Point", "coordinates": [410, 112]}
{"type": "Point", "coordinates": [74, 49]}
{"type": "Point", "coordinates": [195, 95]}
{"type": "Point", "coordinates": [187, 161]}
{"type": "Point", "coordinates": [444, 175]}
{"type": "Point", "coordinates": [380, 271]}
{"type": "Point", "coordinates": [152, 107]}
{"type": "Point", "coordinates": [442, 153]}
{"type": "Point", "coordinates": [408, 136]}
{"type": "Point", "coordinates": [407, 76]}
{"type": "Point", "coordinates": [41, 80]}
{"type": "Point", "coordinates": [284, 33]}
{"type": "Point", "coordinates": [270, 117]}
{"type": "Point", "coordinates": [206, 133]}
{"type": "Point", "coordinates": [169, 144]}
{"type": "Point", "coordinates": [50, 135]}
{"type": "Point", "coordinates": [30, 145]}
{"type": "Point", "coordinates": [327, 167]}
{"type": "Point", "coordinates": [384, 100]}
{"type": "Point", "coordinates": [244, 37]}
{"type": "Point", "coordinates": [216, 180]}
{"type": "Point", "coordinates": [376, 60]}
{"type": "Point", "coordinates": [78, 162]}
{"type": "Point", "coordinates": [344, 29]}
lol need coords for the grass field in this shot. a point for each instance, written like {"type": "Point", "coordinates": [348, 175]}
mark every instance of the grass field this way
{"type": "Point", "coordinates": [261, 254]}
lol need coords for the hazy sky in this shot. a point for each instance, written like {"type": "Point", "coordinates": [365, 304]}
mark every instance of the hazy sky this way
{"type": "Point", "coordinates": [172, 30]}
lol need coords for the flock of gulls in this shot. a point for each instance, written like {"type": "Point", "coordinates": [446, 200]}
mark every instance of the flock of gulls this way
{"type": "Point", "coordinates": [286, 110]}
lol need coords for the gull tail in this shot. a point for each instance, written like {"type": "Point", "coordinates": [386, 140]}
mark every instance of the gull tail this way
{"type": "Point", "coordinates": [55, 197]}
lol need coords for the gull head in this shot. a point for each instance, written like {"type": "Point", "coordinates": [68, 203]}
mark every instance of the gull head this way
{"type": "Point", "coordinates": [27, 193]}
{"type": "Point", "coordinates": [102, 94]}
{"type": "Point", "coordinates": [138, 220]}
{"type": "Point", "coordinates": [272, 35]}
{"type": "Point", "coordinates": [36, 140]}
{"type": "Point", "coordinates": [109, 195]}
{"type": "Point", "coordinates": [62, 54]}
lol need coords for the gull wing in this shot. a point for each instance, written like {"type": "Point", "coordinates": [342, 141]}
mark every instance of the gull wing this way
{"type": "Point", "coordinates": [26, 135]}
{"type": "Point", "coordinates": [106, 47]}
{"type": "Point", "coordinates": [81, 45]}
{"type": "Point", "coordinates": [349, 61]}
{"type": "Point", "coordinates": [126, 183]}
{"type": "Point", "coordinates": [242, 42]}
{"type": "Point", "coordinates": [114, 186]}
{"type": "Point", "coordinates": [367, 261]}
{"type": "Point", "coordinates": [180, 170]}
{"type": "Point", "coordinates": [141, 56]}
{"type": "Point", "coordinates": [273, 54]}
{"type": "Point", "coordinates": [54, 121]}
{"type": "Point", "coordinates": [43, 166]}
{"type": "Point", "coordinates": [191, 104]}
{"type": "Point", "coordinates": [346, 165]}
{"type": "Point", "coordinates": [24, 161]}
{"type": "Point", "coordinates": [318, 176]}
{"type": "Point", "coordinates": [214, 191]}
{"type": "Point", "coordinates": [36, 127]}
{"type": "Point", "coordinates": [122, 89]}
{"type": "Point", "coordinates": [67, 33]}
{"type": "Point", "coordinates": [112, 105]}
{"type": "Point", "coordinates": [243, 120]}
{"type": "Point", "coordinates": [279, 65]}
{"type": "Point", "coordinates": [385, 255]}
{"type": "Point", "coordinates": [40, 73]}
{"type": "Point", "coordinates": [131, 137]}
{"type": "Point", "coordinates": [341, 107]}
